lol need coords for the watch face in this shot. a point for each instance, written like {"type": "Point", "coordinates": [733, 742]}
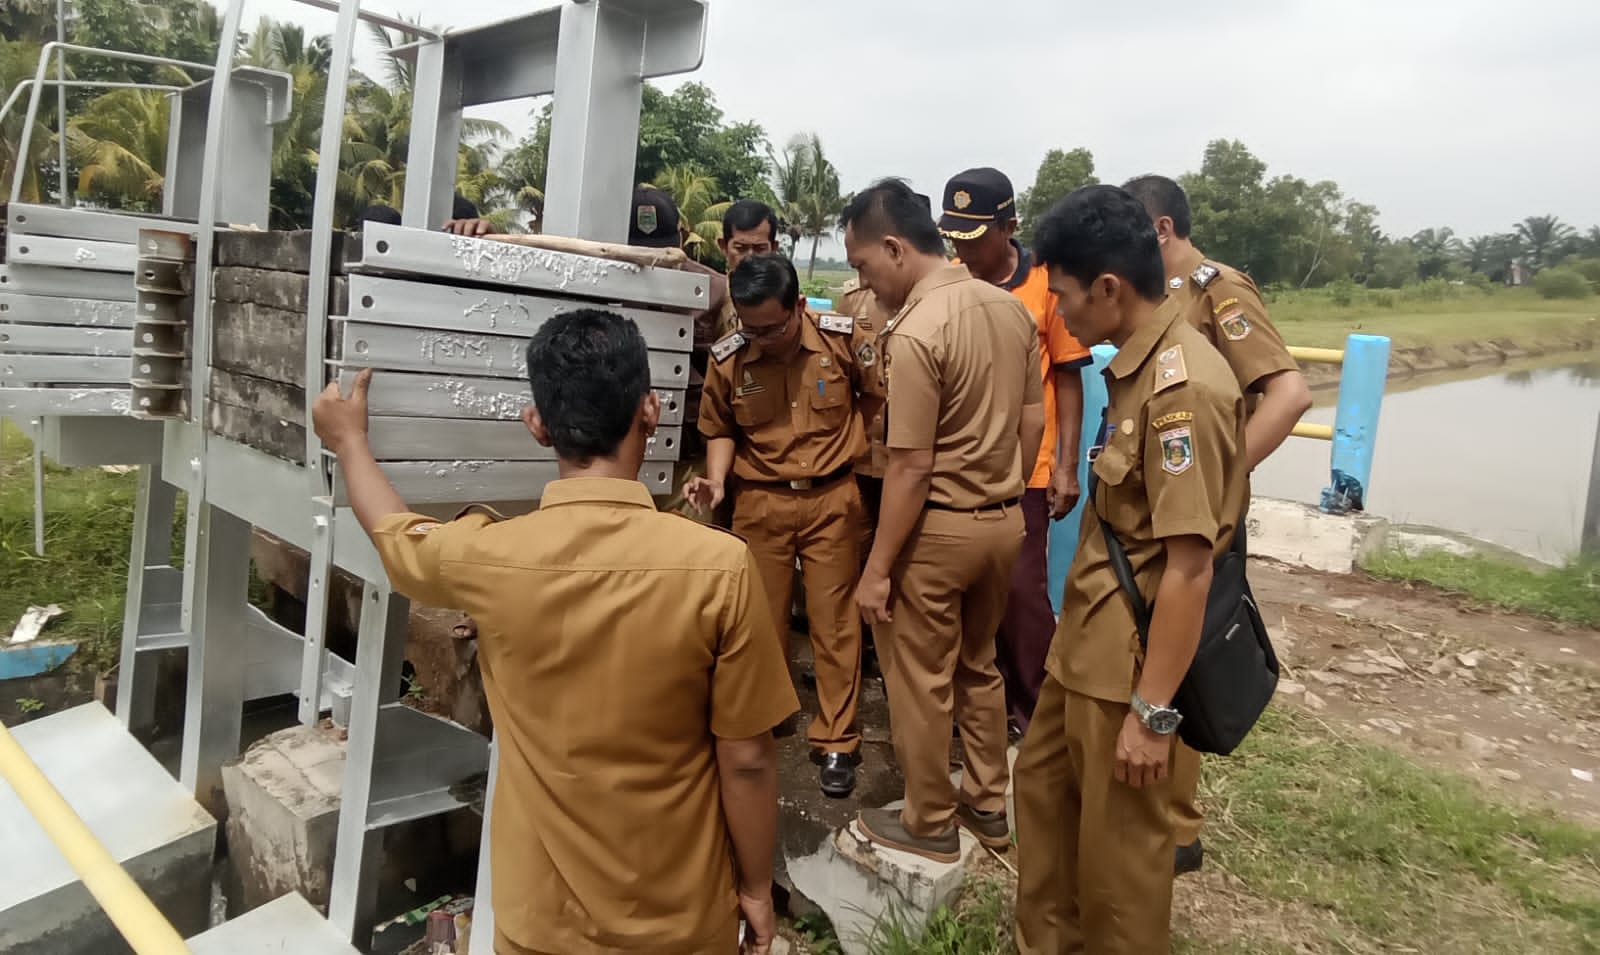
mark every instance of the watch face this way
{"type": "Point", "coordinates": [1164, 722]}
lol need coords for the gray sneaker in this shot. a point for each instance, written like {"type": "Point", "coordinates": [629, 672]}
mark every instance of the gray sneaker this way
{"type": "Point", "coordinates": [883, 827]}
{"type": "Point", "coordinates": [992, 829]}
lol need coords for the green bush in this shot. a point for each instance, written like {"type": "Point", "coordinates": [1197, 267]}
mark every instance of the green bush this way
{"type": "Point", "coordinates": [1382, 298]}
{"type": "Point", "coordinates": [1588, 268]}
{"type": "Point", "coordinates": [1562, 282]}
{"type": "Point", "coordinates": [1428, 290]}
{"type": "Point", "coordinates": [1479, 281]}
{"type": "Point", "coordinates": [815, 288]}
{"type": "Point", "coordinates": [1342, 292]}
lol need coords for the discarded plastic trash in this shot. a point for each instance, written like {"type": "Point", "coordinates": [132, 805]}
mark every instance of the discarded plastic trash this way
{"type": "Point", "coordinates": [33, 623]}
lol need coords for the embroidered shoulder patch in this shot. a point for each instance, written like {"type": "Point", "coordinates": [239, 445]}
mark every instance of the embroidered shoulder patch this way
{"type": "Point", "coordinates": [1205, 274]}
{"type": "Point", "coordinates": [1234, 325]}
{"type": "Point", "coordinates": [1177, 450]}
{"type": "Point", "coordinates": [1176, 417]}
{"type": "Point", "coordinates": [1170, 369]}
{"type": "Point", "coordinates": [725, 347]}
{"type": "Point", "coordinates": [1223, 305]}
{"type": "Point", "coordinates": [843, 324]}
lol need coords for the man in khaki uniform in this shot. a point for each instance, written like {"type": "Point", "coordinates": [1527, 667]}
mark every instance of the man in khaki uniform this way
{"type": "Point", "coordinates": [965, 412]}
{"type": "Point", "coordinates": [1224, 304]}
{"type": "Point", "coordinates": [748, 228]}
{"type": "Point", "coordinates": [784, 409]}
{"type": "Point", "coordinates": [1094, 790]}
{"type": "Point", "coordinates": [647, 823]}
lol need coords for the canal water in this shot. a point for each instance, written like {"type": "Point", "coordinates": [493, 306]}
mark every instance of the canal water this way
{"type": "Point", "coordinates": [1503, 457]}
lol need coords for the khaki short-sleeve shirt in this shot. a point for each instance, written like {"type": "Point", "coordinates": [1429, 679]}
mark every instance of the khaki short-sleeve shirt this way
{"type": "Point", "coordinates": [617, 644]}
{"type": "Point", "coordinates": [860, 304]}
{"type": "Point", "coordinates": [793, 418]}
{"type": "Point", "coordinates": [962, 362]}
{"type": "Point", "coordinates": [1168, 462]}
{"type": "Point", "coordinates": [1226, 307]}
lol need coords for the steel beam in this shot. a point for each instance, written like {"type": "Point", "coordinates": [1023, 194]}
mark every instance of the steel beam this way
{"type": "Point", "coordinates": [66, 340]}
{"type": "Point", "coordinates": [86, 224]}
{"type": "Point", "coordinates": [445, 439]}
{"type": "Point", "coordinates": [21, 279]}
{"type": "Point", "coordinates": [396, 348]}
{"type": "Point", "coordinates": [465, 482]}
{"type": "Point", "coordinates": [406, 394]}
{"type": "Point", "coordinates": [435, 147]}
{"type": "Point", "coordinates": [49, 310]}
{"type": "Point", "coordinates": [65, 369]}
{"type": "Point", "coordinates": [150, 553]}
{"type": "Point", "coordinates": [385, 301]}
{"type": "Point", "coordinates": [215, 593]}
{"type": "Point", "coordinates": [89, 256]}
{"type": "Point", "coordinates": [390, 249]}
{"type": "Point", "coordinates": [32, 402]}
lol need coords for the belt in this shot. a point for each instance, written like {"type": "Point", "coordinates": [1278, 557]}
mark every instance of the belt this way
{"type": "Point", "coordinates": [997, 505]}
{"type": "Point", "coordinates": [806, 484]}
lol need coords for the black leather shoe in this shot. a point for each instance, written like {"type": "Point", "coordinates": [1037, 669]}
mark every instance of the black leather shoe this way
{"type": "Point", "coordinates": [1188, 858]}
{"type": "Point", "coordinates": [839, 774]}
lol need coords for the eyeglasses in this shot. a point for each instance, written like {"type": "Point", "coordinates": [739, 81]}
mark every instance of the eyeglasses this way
{"type": "Point", "coordinates": [771, 331]}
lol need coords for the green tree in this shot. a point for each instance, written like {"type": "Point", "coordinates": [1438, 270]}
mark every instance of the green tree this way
{"type": "Point", "coordinates": [18, 60]}
{"type": "Point", "coordinates": [1396, 265]}
{"type": "Point", "coordinates": [119, 145]}
{"type": "Point", "coordinates": [806, 187]}
{"type": "Point", "coordinates": [1226, 199]}
{"type": "Point", "coordinates": [1545, 238]}
{"type": "Point", "coordinates": [1059, 173]}
{"type": "Point", "coordinates": [694, 193]}
{"type": "Point", "coordinates": [686, 127]}
{"type": "Point", "coordinates": [180, 29]}
{"type": "Point", "coordinates": [28, 21]}
{"type": "Point", "coordinates": [1437, 251]}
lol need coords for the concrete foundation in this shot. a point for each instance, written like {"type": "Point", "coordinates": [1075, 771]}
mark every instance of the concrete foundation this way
{"type": "Point", "coordinates": [1302, 536]}
{"type": "Point", "coordinates": [859, 885]}
{"type": "Point", "coordinates": [283, 817]}
{"type": "Point", "coordinates": [288, 924]}
{"type": "Point", "coordinates": [145, 819]}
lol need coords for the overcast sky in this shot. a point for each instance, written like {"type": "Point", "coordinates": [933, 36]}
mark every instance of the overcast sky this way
{"type": "Point", "coordinates": [1468, 113]}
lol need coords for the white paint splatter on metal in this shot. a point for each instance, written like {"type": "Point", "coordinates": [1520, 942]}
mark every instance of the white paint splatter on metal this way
{"type": "Point", "coordinates": [493, 307]}
{"type": "Point", "coordinates": [83, 255]}
{"type": "Point", "coordinates": [481, 403]}
{"type": "Point", "coordinates": [506, 262]}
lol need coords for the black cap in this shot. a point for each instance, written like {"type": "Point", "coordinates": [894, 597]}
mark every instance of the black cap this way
{"type": "Point", "coordinates": [653, 220]}
{"type": "Point", "coordinates": [975, 199]}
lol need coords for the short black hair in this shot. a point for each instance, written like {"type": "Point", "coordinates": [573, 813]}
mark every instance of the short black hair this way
{"type": "Point", "coordinates": [589, 369]}
{"type": "Point", "coordinates": [762, 278]}
{"type": "Point", "coordinates": [1163, 197]}
{"type": "Point", "coordinates": [889, 207]}
{"type": "Point", "coordinates": [748, 214]}
{"type": "Point", "coordinates": [1101, 229]}
{"type": "Point", "coordinates": [378, 212]}
{"type": "Point", "coordinates": [462, 208]}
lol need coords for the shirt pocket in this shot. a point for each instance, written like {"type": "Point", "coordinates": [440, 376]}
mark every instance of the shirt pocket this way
{"type": "Point", "coordinates": [830, 396]}
{"type": "Point", "coordinates": [1115, 462]}
{"type": "Point", "coordinates": [754, 410]}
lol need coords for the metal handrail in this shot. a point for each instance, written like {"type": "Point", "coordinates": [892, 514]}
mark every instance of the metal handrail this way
{"type": "Point", "coordinates": [16, 92]}
{"type": "Point", "coordinates": [393, 23]}
{"type": "Point", "coordinates": [146, 930]}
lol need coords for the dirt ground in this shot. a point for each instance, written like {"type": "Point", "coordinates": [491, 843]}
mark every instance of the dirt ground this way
{"type": "Point", "coordinates": [1509, 700]}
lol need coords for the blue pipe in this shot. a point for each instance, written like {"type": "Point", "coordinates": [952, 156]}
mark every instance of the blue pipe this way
{"type": "Point", "coordinates": [1355, 426]}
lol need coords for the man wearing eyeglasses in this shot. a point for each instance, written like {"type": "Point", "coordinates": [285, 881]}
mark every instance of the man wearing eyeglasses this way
{"type": "Point", "coordinates": [785, 406]}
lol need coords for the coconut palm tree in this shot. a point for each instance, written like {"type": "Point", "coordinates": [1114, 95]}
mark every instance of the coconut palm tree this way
{"type": "Point", "coordinates": [699, 212]}
{"type": "Point", "coordinates": [18, 60]}
{"type": "Point", "coordinates": [807, 188]}
{"type": "Point", "coordinates": [1545, 238]}
{"type": "Point", "coordinates": [119, 144]}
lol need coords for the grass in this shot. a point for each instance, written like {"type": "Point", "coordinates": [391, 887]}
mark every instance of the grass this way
{"type": "Point", "coordinates": [1570, 594]}
{"type": "Point", "coordinates": [88, 520]}
{"type": "Point", "coordinates": [1431, 314]}
{"type": "Point", "coordinates": [1318, 843]}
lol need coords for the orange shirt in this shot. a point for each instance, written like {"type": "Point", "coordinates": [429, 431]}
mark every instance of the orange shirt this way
{"type": "Point", "coordinates": [1058, 350]}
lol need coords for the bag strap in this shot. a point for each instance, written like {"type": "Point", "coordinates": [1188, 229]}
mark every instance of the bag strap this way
{"type": "Point", "coordinates": [1121, 567]}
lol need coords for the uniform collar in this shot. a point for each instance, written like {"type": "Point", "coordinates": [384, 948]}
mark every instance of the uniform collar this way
{"type": "Point", "coordinates": [940, 277]}
{"type": "Point", "coordinates": [1136, 350]}
{"type": "Point", "coordinates": [591, 490]}
{"type": "Point", "coordinates": [1185, 267]}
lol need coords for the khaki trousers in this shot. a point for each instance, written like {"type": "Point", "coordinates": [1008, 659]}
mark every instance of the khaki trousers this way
{"type": "Point", "coordinates": [1186, 812]}
{"type": "Point", "coordinates": [1094, 855]}
{"type": "Point", "coordinates": [937, 657]}
{"type": "Point", "coordinates": [822, 527]}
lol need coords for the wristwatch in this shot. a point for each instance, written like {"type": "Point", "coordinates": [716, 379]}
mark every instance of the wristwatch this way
{"type": "Point", "coordinates": [1161, 720]}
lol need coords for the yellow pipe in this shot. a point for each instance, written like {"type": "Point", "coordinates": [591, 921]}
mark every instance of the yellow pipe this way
{"type": "Point", "coordinates": [1305, 429]}
{"type": "Point", "coordinates": [147, 931]}
{"type": "Point", "coordinates": [1327, 356]}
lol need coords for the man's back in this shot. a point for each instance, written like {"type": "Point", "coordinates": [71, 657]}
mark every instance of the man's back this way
{"type": "Point", "coordinates": [976, 349]}
{"type": "Point", "coordinates": [617, 645]}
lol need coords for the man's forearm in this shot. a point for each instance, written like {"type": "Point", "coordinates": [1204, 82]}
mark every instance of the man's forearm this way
{"type": "Point", "coordinates": [750, 803]}
{"type": "Point", "coordinates": [1069, 417]}
{"type": "Point", "coordinates": [1180, 608]}
{"type": "Point", "coordinates": [719, 458]}
{"type": "Point", "coordinates": [372, 497]}
{"type": "Point", "coordinates": [1284, 399]}
{"type": "Point", "coordinates": [905, 496]}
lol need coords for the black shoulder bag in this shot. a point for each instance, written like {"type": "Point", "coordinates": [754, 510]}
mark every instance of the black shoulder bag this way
{"type": "Point", "coordinates": [1235, 671]}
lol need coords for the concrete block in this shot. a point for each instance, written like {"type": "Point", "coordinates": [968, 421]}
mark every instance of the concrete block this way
{"type": "Point", "coordinates": [1302, 536]}
{"type": "Point", "coordinates": [858, 884]}
{"type": "Point", "coordinates": [283, 817]}
{"type": "Point", "coordinates": [288, 924]}
{"type": "Point", "coordinates": [145, 819]}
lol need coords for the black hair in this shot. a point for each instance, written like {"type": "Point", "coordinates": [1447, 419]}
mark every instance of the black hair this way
{"type": "Point", "coordinates": [1163, 197]}
{"type": "Point", "coordinates": [589, 369]}
{"type": "Point", "coordinates": [1101, 229]}
{"type": "Point", "coordinates": [462, 208]}
{"type": "Point", "coordinates": [761, 278]}
{"type": "Point", "coordinates": [378, 212]}
{"type": "Point", "coordinates": [748, 214]}
{"type": "Point", "coordinates": [889, 207]}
